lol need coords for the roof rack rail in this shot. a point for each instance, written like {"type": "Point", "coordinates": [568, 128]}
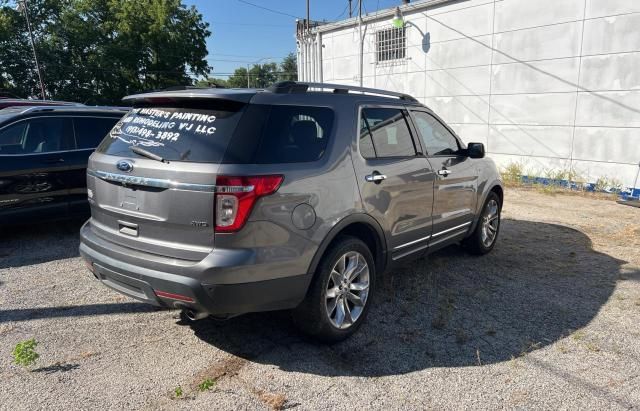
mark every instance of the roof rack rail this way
{"type": "Point", "coordinates": [286, 87]}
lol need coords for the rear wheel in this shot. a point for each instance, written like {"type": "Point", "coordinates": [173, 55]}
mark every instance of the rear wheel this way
{"type": "Point", "coordinates": [485, 235]}
{"type": "Point", "coordinates": [340, 294]}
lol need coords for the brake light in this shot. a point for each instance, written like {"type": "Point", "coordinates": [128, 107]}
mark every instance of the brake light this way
{"type": "Point", "coordinates": [235, 197]}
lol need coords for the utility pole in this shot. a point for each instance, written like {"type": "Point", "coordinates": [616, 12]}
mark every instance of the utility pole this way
{"type": "Point", "coordinates": [350, 9]}
{"type": "Point", "coordinates": [308, 25]}
{"type": "Point", "coordinates": [23, 3]}
{"type": "Point", "coordinates": [361, 39]}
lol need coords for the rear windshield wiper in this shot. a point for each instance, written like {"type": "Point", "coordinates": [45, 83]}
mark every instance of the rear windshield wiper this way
{"type": "Point", "coordinates": [144, 153]}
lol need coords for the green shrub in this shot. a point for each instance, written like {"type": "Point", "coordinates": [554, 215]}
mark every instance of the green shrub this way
{"type": "Point", "coordinates": [206, 384]}
{"type": "Point", "coordinates": [25, 354]}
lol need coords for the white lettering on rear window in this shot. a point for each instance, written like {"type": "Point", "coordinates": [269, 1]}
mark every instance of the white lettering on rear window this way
{"type": "Point", "coordinates": [153, 127]}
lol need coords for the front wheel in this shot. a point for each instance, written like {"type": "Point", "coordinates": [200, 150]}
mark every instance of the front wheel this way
{"type": "Point", "coordinates": [484, 237]}
{"type": "Point", "coordinates": [340, 293]}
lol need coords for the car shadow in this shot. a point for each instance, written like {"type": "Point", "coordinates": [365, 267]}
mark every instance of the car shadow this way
{"type": "Point", "coordinates": [541, 282]}
{"type": "Point", "coordinates": [27, 314]}
{"type": "Point", "coordinates": [23, 245]}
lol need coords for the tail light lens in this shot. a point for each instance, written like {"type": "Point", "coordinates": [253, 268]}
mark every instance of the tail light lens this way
{"type": "Point", "coordinates": [235, 197]}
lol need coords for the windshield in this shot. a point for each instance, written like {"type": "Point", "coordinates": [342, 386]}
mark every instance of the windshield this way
{"type": "Point", "coordinates": [175, 133]}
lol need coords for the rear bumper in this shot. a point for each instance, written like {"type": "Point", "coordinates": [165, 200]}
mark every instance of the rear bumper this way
{"type": "Point", "coordinates": [183, 284]}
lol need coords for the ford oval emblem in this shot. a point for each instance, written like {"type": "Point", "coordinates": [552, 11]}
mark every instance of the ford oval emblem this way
{"type": "Point", "coordinates": [124, 165]}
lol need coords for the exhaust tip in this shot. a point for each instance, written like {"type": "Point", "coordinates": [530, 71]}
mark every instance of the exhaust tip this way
{"type": "Point", "coordinates": [193, 315]}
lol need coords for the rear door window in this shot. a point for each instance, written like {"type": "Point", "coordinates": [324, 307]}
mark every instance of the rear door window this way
{"type": "Point", "coordinates": [37, 135]}
{"type": "Point", "coordinates": [176, 133]}
{"type": "Point", "coordinates": [281, 134]}
{"type": "Point", "coordinates": [91, 130]}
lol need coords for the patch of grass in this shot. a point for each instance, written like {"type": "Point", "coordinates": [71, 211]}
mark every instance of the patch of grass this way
{"type": "Point", "coordinates": [607, 184]}
{"type": "Point", "coordinates": [25, 354]}
{"type": "Point", "coordinates": [578, 335]}
{"type": "Point", "coordinates": [512, 174]}
{"type": "Point", "coordinates": [562, 348]}
{"type": "Point", "coordinates": [177, 392]}
{"type": "Point", "coordinates": [529, 346]}
{"type": "Point", "coordinates": [275, 401]}
{"type": "Point", "coordinates": [593, 347]}
{"type": "Point", "coordinates": [207, 384]}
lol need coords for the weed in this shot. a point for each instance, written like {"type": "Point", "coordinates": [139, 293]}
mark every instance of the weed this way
{"type": "Point", "coordinates": [609, 185]}
{"type": "Point", "coordinates": [562, 348]}
{"type": "Point", "coordinates": [512, 174]}
{"type": "Point", "coordinates": [275, 401]}
{"type": "Point", "coordinates": [177, 392]}
{"type": "Point", "coordinates": [206, 385]}
{"type": "Point", "coordinates": [593, 347]}
{"type": "Point", "coordinates": [578, 335]}
{"type": "Point", "coordinates": [25, 353]}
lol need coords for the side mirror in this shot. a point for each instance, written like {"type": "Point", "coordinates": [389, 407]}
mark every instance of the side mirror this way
{"type": "Point", "coordinates": [475, 150]}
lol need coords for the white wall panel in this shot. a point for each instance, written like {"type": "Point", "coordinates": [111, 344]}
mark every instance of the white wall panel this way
{"type": "Point", "coordinates": [536, 77]}
{"type": "Point", "coordinates": [471, 133]}
{"type": "Point", "coordinates": [620, 145]}
{"type": "Point", "coordinates": [459, 53]}
{"type": "Point", "coordinates": [457, 82]}
{"type": "Point", "coordinates": [519, 14]}
{"type": "Point", "coordinates": [474, 21]}
{"type": "Point", "coordinates": [609, 109]}
{"type": "Point", "coordinates": [461, 109]}
{"type": "Point", "coordinates": [612, 34]}
{"type": "Point", "coordinates": [541, 141]}
{"type": "Point", "coordinates": [611, 72]}
{"type": "Point", "coordinates": [561, 40]}
{"type": "Point", "coordinates": [601, 8]}
{"type": "Point", "coordinates": [555, 109]}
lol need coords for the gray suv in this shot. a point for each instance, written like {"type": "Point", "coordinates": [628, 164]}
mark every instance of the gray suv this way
{"type": "Point", "coordinates": [227, 201]}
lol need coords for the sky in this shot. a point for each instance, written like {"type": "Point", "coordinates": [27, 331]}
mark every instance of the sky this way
{"type": "Point", "coordinates": [243, 33]}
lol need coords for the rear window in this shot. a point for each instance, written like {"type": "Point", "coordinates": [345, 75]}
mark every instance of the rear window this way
{"type": "Point", "coordinates": [232, 133]}
{"type": "Point", "coordinates": [175, 133]}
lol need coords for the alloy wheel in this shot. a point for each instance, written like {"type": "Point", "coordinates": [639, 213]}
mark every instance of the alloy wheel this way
{"type": "Point", "coordinates": [490, 223]}
{"type": "Point", "coordinates": [347, 290]}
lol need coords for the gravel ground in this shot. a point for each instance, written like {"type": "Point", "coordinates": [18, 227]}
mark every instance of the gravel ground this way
{"type": "Point", "coordinates": [549, 320]}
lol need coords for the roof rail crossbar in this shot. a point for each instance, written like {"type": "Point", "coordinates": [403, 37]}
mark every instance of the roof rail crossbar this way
{"type": "Point", "coordinates": [298, 87]}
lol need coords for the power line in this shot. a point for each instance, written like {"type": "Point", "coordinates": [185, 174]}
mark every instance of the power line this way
{"type": "Point", "coordinates": [343, 12]}
{"type": "Point", "coordinates": [268, 9]}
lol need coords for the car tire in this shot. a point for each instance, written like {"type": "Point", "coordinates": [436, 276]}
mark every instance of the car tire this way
{"type": "Point", "coordinates": [485, 235]}
{"type": "Point", "coordinates": [346, 274]}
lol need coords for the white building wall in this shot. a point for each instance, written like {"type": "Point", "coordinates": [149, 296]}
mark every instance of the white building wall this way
{"type": "Point", "coordinates": [559, 90]}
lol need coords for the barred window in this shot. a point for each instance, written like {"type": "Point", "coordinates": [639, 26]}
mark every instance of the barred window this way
{"type": "Point", "coordinates": [391, 44]}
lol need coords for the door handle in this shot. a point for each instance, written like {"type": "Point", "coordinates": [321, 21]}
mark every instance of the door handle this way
{"type": "Point", "coordinates": [375, 177]}
{"type": "Point", "coordinates": [444, 172]}
{"type": "Point", "coordinates": [53, 160]}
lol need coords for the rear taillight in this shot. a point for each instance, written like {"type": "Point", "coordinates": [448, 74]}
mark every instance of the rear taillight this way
{"type": "Point", "coordinates": [235, 197]}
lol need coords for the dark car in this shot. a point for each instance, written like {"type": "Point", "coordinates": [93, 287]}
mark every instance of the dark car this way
{"type": "Point", "coordinates": [19, 102]}
{"type": "Point", "coordinates": [43, 159]}
{"type": "Point", "coordinates": [227, 201]}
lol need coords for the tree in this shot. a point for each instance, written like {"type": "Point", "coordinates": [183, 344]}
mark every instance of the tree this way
{"type": "Point", "coordinates": [97, 51]}
{"type": "Point", "coordinates": [289, 68]}
{"type": "Point", "coordinates": [260, 76]}
{"type": "Point", "coordinates": [213, 82]}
